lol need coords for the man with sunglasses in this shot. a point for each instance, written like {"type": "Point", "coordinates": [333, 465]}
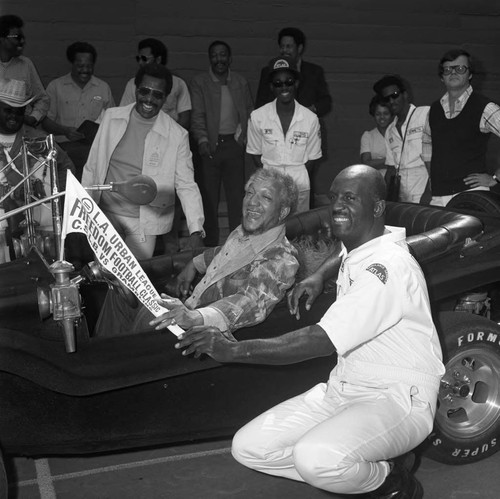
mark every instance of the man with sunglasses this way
{"type": "Point", "coordinates": [283, 134]}
{"type": "Point", "coordinates": [403, 138]}
{"type": "Point", "coordinates": [222, 103]}
{"type": "Point", "coordinates": [312, 91]}
{"type": "Point", "coordinates": [142, 139]}
{"type": "Point", "coordinates": [14, 99]}
{"type": "Point", "coordinates": [14, 65]}
{"type": "Point", "coordinates": [178, 103]}
{"type": "Point", "coordinates": [457, 131]}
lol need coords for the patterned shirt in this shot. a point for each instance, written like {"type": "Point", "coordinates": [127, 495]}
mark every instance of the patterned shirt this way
{"type": "Point", "coordinates": [235, 294]}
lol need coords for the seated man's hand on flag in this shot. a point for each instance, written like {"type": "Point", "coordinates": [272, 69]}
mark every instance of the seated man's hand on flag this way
{"type": "Point", "coordinates": [177, 313]}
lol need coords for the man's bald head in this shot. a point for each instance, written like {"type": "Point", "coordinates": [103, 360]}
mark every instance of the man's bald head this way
{"type": "Point", "coordinates": [358, 205]}
{"type": "Point", "coordinates": [374, 180]}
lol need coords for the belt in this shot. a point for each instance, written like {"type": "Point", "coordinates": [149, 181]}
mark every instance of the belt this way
{"type": "Point", "coordinates": [225, 138]}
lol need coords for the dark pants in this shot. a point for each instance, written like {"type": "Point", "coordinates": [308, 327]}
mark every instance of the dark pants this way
{"type": "Point", "coordinates": [226, 166]}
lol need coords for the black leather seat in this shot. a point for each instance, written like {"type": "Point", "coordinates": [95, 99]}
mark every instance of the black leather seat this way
{"type": "Point", "coordinates": [430, 231]}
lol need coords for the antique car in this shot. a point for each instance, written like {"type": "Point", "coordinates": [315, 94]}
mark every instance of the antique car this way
{"type": "Point", "coordinates": [95, 394]}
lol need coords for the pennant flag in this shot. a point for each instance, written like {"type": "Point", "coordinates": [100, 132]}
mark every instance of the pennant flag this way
{"type": "Point", "coordinates": [81, 214]}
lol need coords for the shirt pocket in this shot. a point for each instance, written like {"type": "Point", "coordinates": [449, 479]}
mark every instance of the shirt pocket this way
{"type": "Point", "coordinates": [298, 145]}
{"type": "Point", "coordinates": [270, 146]}
{"type": "Point", "coordinates": [95, 107]}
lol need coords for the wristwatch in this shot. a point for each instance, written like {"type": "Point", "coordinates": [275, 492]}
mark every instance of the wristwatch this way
{"type": "Point", "coordinates": [196, 233]}
{"type": "Point", "coordinates": [495, 178]}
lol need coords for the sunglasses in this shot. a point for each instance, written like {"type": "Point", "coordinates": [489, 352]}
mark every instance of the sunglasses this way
{"type": "Point", "coordinates": [280, 84]}
{"type": "Point", "coordinates": [392, 96]}
{"type": "Point", "coordinates": [156, 94]}
{"type": "Point", "coordinates": [16, 37]}
{"type": "Point", "coordinates": [144, 58]}
{"type": "Point", "coordinates": [460, 70]}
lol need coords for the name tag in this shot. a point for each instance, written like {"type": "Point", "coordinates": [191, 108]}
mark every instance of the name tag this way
{"type": "Point", "coordinates": [417, 129]}
{"type": "Point", "coordinates": [300, 135]}
{"type": "Point", "coordinates": [154, 159]}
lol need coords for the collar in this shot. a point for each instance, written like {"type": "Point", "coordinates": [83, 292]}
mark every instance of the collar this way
{"type": "Point", "coordinates": [460, 101]}
{"type": "Point", "coordinates": [161, 126]}
{"type": "Point", "coordinates": [215, 79]}
{"type": "Point", "coordinates": [259, 241]}
{"type": "Point", "coordinates": [68, 80]}
{"type": "Point", "coordinates": [392, 234]}
{"type": "Point", "coordinates": [297, 113]}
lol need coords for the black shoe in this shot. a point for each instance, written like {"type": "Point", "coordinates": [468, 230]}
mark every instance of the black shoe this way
{"type": "Point", "coordinates": [399, 483]}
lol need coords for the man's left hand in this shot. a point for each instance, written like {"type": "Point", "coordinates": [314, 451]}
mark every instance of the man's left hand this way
{"type": "Point", "coordinates": [479, 180]}
{"type": "Point", "coordinates": [177, 313]}
{"type": "Point", "coordinates": [209, 340]}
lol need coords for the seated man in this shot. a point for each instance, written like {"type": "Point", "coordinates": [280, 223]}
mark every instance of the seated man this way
{"type": "Point", "coordinates": [380, 399]}
{"type": "Point", "coordinates": [141, 139]}
{"type": "Point", "coordinates": [75, 98]}
{"type": "Point", "coordinates": [13, 102]}
{"type": "Point", "coordinates": [243, 280]}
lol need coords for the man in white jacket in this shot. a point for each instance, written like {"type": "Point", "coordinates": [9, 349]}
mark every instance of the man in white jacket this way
{"type": "Point", "coordinates": [380, 399]}
{"type": "Point", "coordinates": [141, 139]}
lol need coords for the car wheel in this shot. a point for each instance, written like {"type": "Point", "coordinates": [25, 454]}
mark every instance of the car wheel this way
{"type": "Point", "coordinates": [482, 201]}
{"type": "Point", "coordinates": [467, 423]}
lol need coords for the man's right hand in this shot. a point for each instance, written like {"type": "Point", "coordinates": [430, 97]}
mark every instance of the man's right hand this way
{"type": "Point", "coordinates": [185, 279]}
{"type": "Point", "coordinates": [208, 340]}
{"type": "Point", "coordinates": [311, 286]}
{"type": "Point", "coordinates": [204, 150]}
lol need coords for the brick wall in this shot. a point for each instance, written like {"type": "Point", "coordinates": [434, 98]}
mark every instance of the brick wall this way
{"type": "Point", "coordinates": [356, 41]}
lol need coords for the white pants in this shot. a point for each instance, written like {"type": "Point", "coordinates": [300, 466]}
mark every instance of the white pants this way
{"type": "Point", "coordinates": [413, 182]}
{"type": "Point", "coordinates": [336, 437]}
{"type": "Point", "coordinates": [141, 245]}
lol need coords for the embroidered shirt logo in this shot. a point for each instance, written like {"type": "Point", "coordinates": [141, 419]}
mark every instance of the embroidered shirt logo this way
{"type": "Point", "coordinates": [379, 271]}
{"type": "Point", "coordinates": [300, 135]}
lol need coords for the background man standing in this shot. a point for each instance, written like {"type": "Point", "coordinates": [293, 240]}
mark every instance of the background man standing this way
{"type": "Point", "coordinates": [222, 104]}
{"type": "Point", "coordinates": [403, 138]}
{"type": "Point", "coordinates": [14, 65]}
{"type": "Point", "coordinates": [74, 98]}
{"type": "Point", "coordinates": [141, 139]}
{"type": "Point", "coordinates": [312, 91]}
{"type": "Point", "coordinates": [283, 134]}
{"type": "Point", "coordinates": [457, 131]}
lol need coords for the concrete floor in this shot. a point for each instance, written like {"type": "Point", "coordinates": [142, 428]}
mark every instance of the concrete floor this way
{"type": "Point", "coordinates": [207, 470]}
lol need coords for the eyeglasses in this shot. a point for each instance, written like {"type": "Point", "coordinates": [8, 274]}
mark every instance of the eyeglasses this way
{"type": "Point", "coordinates": [460, 70]}
{"type": "Point", "coordinates": [156, 94]}
{"type": "Point", "coordinates": [280, 84]}
{"type": "Point", "coordinates": [16, 37]}
{"type": "Point", "coordinates": [392, 96]}
{"type": "Point", "coordinates": [144, 58]}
